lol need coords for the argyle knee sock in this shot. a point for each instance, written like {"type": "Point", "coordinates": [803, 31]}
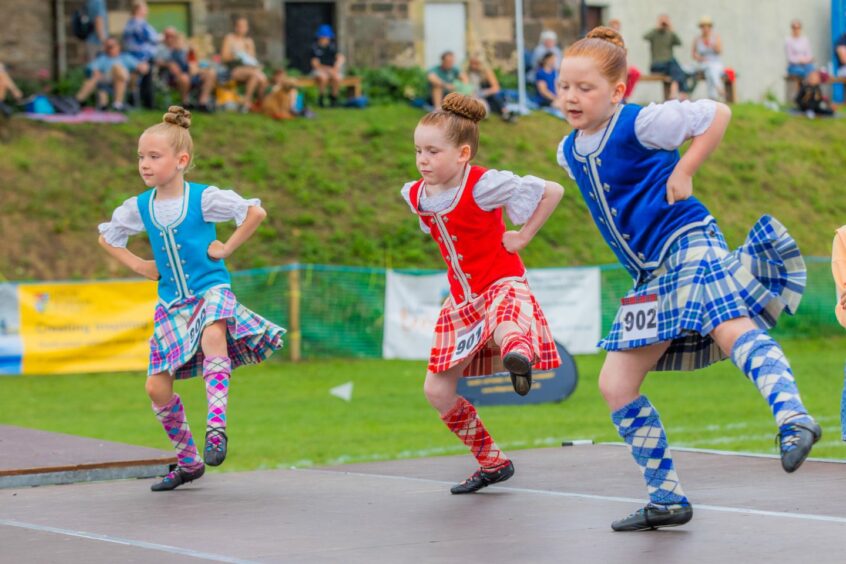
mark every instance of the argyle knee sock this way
{"type": "Point", "coordinates": [216, 373]}
{"type": "Point", "coordinates": [760, 357]}
{"type": "Point", "coordinates": [463, 420]}
{"type": "Point", "coordinates": [172, 418]}
{"type": "Point", "coordinates": [640, 426]}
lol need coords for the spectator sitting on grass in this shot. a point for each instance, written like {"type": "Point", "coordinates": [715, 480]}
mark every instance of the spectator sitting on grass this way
{"type": "Point", "coordinates": [238, 53]}
{"type": "Point", "coordinates": [326, 65]}
{"type": "Point", "coordinates": [546, 78]}
{"type": "Point", "coordinates": [800, 57]}
{"type": "Point", "coordinates": [810, 99]}
{"type": "Point", "coordinates": [110, 72]}
{"type": "Point", "coordinates": [140, 40]}
{"type": "Point", "coordinates": [179, 65]}
{"type": "Point", "coordinates": [445, 78]}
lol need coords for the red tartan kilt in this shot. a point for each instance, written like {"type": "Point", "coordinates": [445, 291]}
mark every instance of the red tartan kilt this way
{"type": "Point", "coordinates": [466, 332]}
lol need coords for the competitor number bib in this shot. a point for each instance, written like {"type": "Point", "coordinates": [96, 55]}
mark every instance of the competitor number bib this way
{"type": "Point", "coordinates": [639, 317]}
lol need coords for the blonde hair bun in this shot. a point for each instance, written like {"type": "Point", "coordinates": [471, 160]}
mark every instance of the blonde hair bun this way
{"type": "Point", "coordinates": [607, 34]}
{"type": "Point", "coordinates": [177, 115]}
{"type": "Point", "coordinates": [464, 106]}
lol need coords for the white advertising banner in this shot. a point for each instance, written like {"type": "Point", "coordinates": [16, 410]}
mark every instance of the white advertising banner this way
{"type": "Point", "coordinates": [570, 298]}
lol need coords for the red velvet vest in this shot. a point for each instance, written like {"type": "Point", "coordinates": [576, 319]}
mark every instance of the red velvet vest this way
{"type": "Point", "coordinates": [470, 240]}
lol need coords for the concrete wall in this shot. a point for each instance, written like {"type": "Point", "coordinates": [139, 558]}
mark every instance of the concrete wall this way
{"type": "Point", "coordinates": [26, 42]}
{"type": "Point", "coordinates": [753, 36]}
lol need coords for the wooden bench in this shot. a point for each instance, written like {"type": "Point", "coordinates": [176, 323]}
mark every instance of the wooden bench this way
{"type": "Point", "coordinates": [728, 85]}
{"type": "Point", "coordinates": [351, 83]}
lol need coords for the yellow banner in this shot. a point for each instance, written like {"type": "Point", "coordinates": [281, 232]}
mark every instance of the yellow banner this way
{"type": "Point", "coordinates": [86, 327]}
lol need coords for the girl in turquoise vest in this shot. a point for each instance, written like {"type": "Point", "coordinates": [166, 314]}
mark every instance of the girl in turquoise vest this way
{"type": "Point", "coordinates": [200, 328]}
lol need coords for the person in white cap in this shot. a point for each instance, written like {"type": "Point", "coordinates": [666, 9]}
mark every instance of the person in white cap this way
{"type": "Point", "coordinates": [706, 51]}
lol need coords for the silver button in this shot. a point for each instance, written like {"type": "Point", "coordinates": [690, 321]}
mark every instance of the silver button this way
{"type": "Point", "coordinates": [161, 234]}
{"type": "Point", "coordinates": [460, 257]}
{"type": "Point", "coordinates": [474, 295]}
{"type": "Point", "coordinates": [602, 220]}
{"type": "Point", "coordinates": [606, 187]}
{"type": "Point", "coordinates": [431, 222]}
{"type": "Point", "coordinates": [164, 249]}
{"type": "Point", "coordinates": [171, 279]}
{"type": "Point", "coordinates": [613, 244]}
{"type": "Point", "coordinates": [641, 256]}
{"type": "Point", "coordinates": [187, 276]}
{"type": "Point", "coordinates": [178, 246]}
{"type": "Point", "coordinates": [446, 219]}
{"type": "Point", "coordinates": [453, 237]}
{"type": "Point", "coordinates": [584, 169]}
{"type": "Point", "coordinates": [168, 265]}
{"type": "Point", "coordinates": [468, 276]}
{"type": "Point", "coordinates": [592, 196]}
{"type": "Point", "coordinates": [598, 161]}
{"type": "Point", "coordinates": [626, 236]}
{"type": "Point", "coordinates": [174, 230]}
{"type": "Point", "coordinates": [614, 212]}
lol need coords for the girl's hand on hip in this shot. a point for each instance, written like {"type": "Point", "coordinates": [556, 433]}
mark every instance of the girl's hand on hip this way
{"type": "Point", "coordinates": [513, 241]}
{"type": "Point", "coordinates": [147, 269]}
{"type": "Point", "coordinates": [679, 187]}
{"type": "Point", "coordinates": [217, 251]}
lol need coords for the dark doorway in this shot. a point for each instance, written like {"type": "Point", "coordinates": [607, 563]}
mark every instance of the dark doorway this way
{"type": "Point", "coordinates": [301, 22]}
{"type": "Point", "coordinates": [594, 17]}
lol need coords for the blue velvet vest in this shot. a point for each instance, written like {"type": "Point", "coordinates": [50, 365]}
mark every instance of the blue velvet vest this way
{"type": "Point", "coordinates": [625, 187]}
{"type": "Point", "coordinates": [180, 248]}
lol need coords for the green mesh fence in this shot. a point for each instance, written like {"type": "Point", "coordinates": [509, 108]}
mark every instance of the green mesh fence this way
{"type": "Point", "coordinates": [341, 309]}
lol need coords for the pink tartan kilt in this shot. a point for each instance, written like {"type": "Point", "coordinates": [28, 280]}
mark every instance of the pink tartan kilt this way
{"type": "Point", "coordinates": [466, 332]}
{"type": "Point", "coordinates": [175, 345]}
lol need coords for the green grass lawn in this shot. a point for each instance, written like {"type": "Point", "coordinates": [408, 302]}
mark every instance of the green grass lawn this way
{"type": "Point", "coordinates": [282, 414]}
{"type": "Point", "coordinates": [331, 186]}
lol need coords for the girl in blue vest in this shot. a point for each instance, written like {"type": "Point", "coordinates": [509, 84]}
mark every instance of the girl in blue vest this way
{"type": "Point", "coordinates": [694, 301]}
{"type": "Point", "coordinates": [200, 328]}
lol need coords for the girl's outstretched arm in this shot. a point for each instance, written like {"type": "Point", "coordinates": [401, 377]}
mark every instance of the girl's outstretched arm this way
{"type": "Point", "coordinates": [514, 241]}
{"type": "Point", "coordinates": [255, 215]}
{"type": "Point", "coordinates": [680, 183]}
{"type": "Point", "coordinates": [146, 268]}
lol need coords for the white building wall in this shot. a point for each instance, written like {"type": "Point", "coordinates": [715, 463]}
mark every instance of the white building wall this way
{"type": "Point", "coordinates": [753, 34]}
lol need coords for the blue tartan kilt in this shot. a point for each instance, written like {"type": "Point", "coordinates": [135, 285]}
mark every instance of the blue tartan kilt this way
{"type": "Point", "coordinates": [700, 284]}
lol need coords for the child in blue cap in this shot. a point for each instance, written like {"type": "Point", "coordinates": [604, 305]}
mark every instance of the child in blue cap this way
{"type": "Point", "coordinates": [326, 64]}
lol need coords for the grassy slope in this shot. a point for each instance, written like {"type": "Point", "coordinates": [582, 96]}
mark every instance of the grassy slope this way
{"type": "Point", "coordinates": [331, 186]}
{"type": "Point", "coordinates": [282, 414]}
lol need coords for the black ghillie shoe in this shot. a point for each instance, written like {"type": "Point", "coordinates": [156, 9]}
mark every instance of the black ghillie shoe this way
{"type": "Point", "coordinates": [215, 454]}
{"type": "Point", "coordinates": [483, 478]}
{"type": "Point", "coordinates": [795, 440]}
{"type": "Point", "coordinates": [654, 517]}
{"type": "Point", "coordinates": [520, 368]}
{"type": "Point", "coordinates": [178, 477]}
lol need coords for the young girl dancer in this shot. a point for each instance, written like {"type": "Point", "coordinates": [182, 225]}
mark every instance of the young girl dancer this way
{"type": "Point", "coordinates": [694, 301]}
{"type": "Point", "coordinates": [200, 328]}
{"type": "Point", "coordinates": [491, 318]}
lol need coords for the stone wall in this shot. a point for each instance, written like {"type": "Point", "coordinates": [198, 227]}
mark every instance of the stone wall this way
{"type": "Point", "coordinates": [371, 32]}
{"type": "Point", "coordinates": [27, 43]}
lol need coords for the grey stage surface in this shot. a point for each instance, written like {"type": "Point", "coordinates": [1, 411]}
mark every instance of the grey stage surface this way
{"type": "Point", "coordinates": [557, 508]}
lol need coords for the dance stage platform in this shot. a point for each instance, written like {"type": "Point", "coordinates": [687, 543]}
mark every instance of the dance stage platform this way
{"type": "Point", "coordinates": [557, 508]}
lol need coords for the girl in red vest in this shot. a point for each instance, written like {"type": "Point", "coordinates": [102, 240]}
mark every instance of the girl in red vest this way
{"type": "Point", "coordinates": [490, 320]}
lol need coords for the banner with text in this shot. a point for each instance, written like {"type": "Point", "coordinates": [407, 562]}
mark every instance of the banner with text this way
{"type": "Point", "coordinates": [569, 297]}
{"type": "Point", "coordinates": [86, 327]}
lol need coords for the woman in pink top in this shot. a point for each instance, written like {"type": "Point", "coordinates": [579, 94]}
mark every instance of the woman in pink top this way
{"type": "Point", "coordinates": [800, 59]}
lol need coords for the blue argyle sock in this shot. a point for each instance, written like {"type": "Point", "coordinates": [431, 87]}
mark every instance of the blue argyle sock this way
{"type": "Point", "coordinates": [762, 360]}
{"type": "Point", "coordinates": [640, 426]}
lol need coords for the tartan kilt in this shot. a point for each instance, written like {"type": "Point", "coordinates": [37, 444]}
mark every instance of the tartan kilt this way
{"type": "Point", "coordinates": [175, 345]}
{"type": "Point", "coordinates": [701, 284]}
{"type": "Point", "coordinates": [474, 324]}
